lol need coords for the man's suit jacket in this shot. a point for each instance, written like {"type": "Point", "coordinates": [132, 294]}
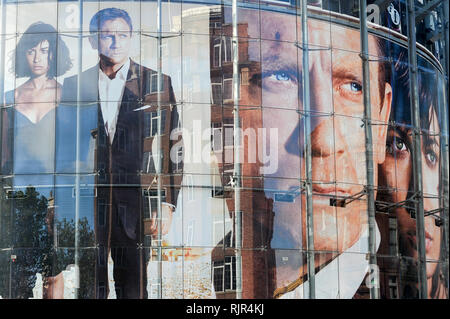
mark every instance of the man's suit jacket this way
{"type": "Point", "coordinates": [119, 163]}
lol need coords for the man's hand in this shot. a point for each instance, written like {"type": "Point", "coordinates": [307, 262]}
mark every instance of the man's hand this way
{"type": "Point", "coordinates": [167, 211]}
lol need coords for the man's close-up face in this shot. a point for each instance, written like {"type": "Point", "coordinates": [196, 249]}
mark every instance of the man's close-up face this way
{"type": "Point", "coordinates": [337, 134]}
{"type": "Point", "coordinates": [114, 41]}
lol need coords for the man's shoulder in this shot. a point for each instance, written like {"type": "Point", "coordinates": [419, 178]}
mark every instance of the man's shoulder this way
{"type": "Point", "coordinates": [87, 74]}
{"type": "Point", "coordinates": [143, 70]}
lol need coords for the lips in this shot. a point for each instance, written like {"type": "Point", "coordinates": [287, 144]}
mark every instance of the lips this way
{"type": "Point", "coordinates": [332, 191]}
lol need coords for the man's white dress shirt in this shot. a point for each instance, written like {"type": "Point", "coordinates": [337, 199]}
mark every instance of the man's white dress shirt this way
{"type": "Point", "coordinates": [111, 93]}
{"type": "Point", "coordinates": [341, 278]}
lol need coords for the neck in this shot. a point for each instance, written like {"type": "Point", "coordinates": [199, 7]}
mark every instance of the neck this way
{"type": "Point", "coordinates": [111, 69]}
{"type": "Point", "coordinates": [38, 82]}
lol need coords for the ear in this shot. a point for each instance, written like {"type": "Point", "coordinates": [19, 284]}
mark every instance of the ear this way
{"type": "Point", "coordinates": [93, 40]}
{"type": "Point", "coordinates": [382, 129]}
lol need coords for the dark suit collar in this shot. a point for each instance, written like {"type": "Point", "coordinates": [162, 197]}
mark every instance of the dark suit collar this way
{"type": "Point", "coordinates": [133, 71]}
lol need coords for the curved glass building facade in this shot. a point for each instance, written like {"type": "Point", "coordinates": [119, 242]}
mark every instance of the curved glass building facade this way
{"type": "Point", "coordinates": [224, 149]}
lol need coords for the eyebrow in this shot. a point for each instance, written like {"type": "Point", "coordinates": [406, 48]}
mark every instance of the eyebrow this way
{"type": "Point", "coordinates": [274, 62]}
{"type": "Point", "coordinates": [431, 140]}
{"type": "Point", "coordinates": [344, 73]}
{"type": "Point", "coordinates": [404, 133]}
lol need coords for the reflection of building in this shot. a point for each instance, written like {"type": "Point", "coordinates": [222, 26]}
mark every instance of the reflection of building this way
{"type": "Point", "coordinates": [255, 207]}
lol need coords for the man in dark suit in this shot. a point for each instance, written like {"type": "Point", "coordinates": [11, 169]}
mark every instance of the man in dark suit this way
{"type": "Point", "coordinates": [112, 103]}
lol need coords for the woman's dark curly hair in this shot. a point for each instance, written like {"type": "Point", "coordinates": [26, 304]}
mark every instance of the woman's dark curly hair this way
{"type": "Point", "coordinates": [58, 58]}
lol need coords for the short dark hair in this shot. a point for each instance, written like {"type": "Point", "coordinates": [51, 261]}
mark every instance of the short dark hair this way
{"type": "Point", "coordinates": [107, 14]}
{"type": "Point", "coordinates": [58, 58]}
{"type": "Point", "coordinates": [384, 71]}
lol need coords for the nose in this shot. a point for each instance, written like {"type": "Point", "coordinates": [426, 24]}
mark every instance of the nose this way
{"type": "Point", "coordinates": [37, 57]}
{"type": "Point", "coordinates": [115, 43]}
{"type": "Point", "coordinates": [321, 104]}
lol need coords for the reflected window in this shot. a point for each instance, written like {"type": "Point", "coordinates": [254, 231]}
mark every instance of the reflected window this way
{"type": "Point", "coordinates": [216, 137]}
{"type": "Point", "coordinates": [148, 166]}
{"type": "Point", "coordinates": [222, 51]}
{"type": "Point", "coordinates": [151, 123]}
{"type": "Point", "coordinates": [229, 132]}
{"type": "Point", "coordinates": [101, 255]}
{"type": "Point", "coordinates": [101, 214]}
{"type": "Point", "coordinates": [190, 233]}
{"type": "Point", "coordinates": [216, 91]}
{"type": "Point", "coordinates": [393, 287]}
{"type": "Point", "coordinates": [177, 165]}
{"type": "Point", "coordinates": [228, 89]}
{"type": "Point", "coordinates": [152, 83]}
{"type": "Point", "coordinates": [393, 236]}
{"type": "Point", "coordinates": [122, 135]}
{"type": "Point", "coordinates": [217, 53]}
{"type": "Point", "coordinates": [151, 201]}
{"type": "Point", "coordinates": [224, 274]}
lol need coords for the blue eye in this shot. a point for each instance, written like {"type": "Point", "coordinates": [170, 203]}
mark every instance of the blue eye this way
{"type": "Point", "coordinates": [282, 76]}
{"type": "Point", "coordinates": [355, 87]}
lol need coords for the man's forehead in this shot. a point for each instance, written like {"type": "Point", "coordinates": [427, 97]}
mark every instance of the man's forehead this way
{"type": "Point", "coordinates": [115, 25]}
{"type": "Point", "coordinates": [285, 27]}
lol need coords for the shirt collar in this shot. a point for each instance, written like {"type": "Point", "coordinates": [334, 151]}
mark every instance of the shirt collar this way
{"type": "Point", "coordinates": [121, 74]}
{"type": "Point", "coordinates": [342, 277]}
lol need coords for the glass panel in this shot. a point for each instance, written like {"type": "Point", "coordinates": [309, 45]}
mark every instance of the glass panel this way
{"type": "Point", "coordinates": [32, 11]}
{"type": "Point", "coordinates": [196, 62]}
{"type": "Point", "coordinates": [34, 139]}
{"type": "Point", "coordinates": [287, 275]}
{"type": "Point", "coordinates": [8, 68]}
{"type": "Point", "coordinates": [200, 271]}
{"type": "Point", "coordinates": [166, 275]}
{"type": "Point", "coordinates": [89, 138]}
{"type": "Point", "coordinates": [5, 273]}
{"type": "Point", "coordinates": [279, 141]}
{"type": "Point", "coordinates": [68, 276]}
{"type": "Point", "coordinates": [285, 213]}
{"type": "Point", "coordinates": [203, 215]}
{"type": "Point", "coordinates": [279, 74]}
{"type": "Point", "coordinates": [88, 92]}
{"type": "Point", "coordinates": [66, 210]}
{"type": "Point", "coordinates": [437, 288]}
{"type": "Point", "coordinates": [248, 19]}
{"type": "Point", "coordinates": [170, 63]}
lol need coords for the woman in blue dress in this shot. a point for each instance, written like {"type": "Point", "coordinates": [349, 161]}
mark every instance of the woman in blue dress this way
{"type": "Point", "coordinates": [28, 148]}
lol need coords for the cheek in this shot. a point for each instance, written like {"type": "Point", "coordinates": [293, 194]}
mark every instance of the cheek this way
{"type": "Point", "coordinates": [29, 59]}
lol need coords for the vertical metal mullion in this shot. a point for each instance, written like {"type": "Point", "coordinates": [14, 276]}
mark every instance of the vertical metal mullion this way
{"type": "Point", "coordinates": [446, 38]}
{"type": "Point", "coordinates": [77, 152]}
{"type": "Point", "coordinates": [417, 152]}
{"type": "Point", "coordinates": [308, 153]}
{"type": "Point", "coordinates": [237, 145]}
{"type": "Point", "coordinates": [445, 173]}
{"type": "Point", "coordinates": [158, 143]}
{"type": "Point", "coordinates": [2, 100]}
{"type": "Point", "coordinates": [374, 289]}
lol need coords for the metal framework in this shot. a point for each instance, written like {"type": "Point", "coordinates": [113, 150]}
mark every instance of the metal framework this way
{"type": "Point", "coordinates": [415, 203]}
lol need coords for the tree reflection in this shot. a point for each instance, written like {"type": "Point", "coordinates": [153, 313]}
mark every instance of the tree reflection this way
{"type": "Point", "coordinates": [31, 246]}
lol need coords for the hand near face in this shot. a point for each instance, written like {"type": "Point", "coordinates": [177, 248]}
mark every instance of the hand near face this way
{"type": "Point", "coordinates": [166, 220]}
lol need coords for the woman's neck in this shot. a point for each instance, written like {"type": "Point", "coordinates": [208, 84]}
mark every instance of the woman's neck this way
{"type": "Point", "coordinates": [38, 82]}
